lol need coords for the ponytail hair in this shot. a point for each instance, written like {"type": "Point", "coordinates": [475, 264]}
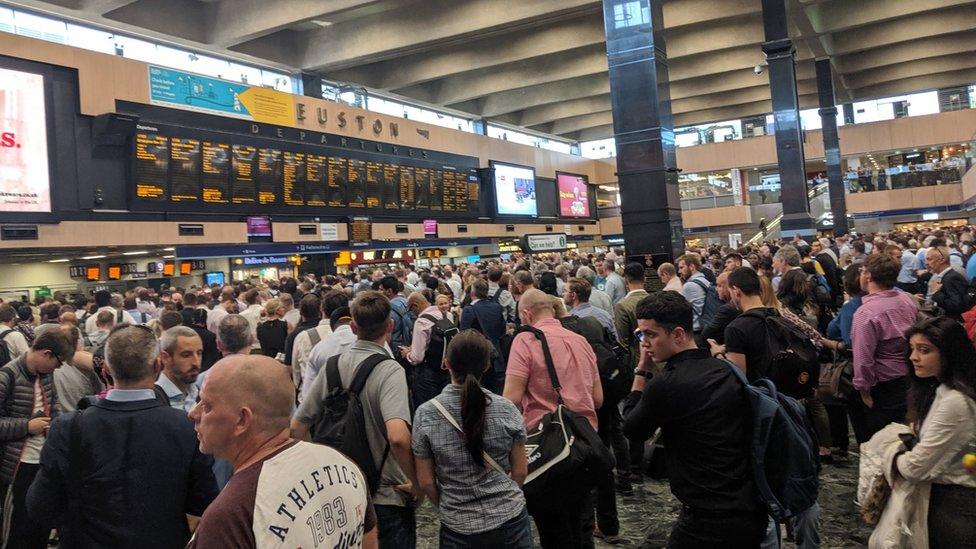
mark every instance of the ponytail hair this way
{"type": "Point", "coordinates": [468, 356]}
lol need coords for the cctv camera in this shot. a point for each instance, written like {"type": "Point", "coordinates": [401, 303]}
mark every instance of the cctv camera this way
{"type": "Point", "coordinates": [759, 69]}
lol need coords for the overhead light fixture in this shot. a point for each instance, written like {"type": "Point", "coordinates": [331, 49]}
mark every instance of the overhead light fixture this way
{"type": "Point", "coordinates": [93, 257]}
{"type": "Point", "coordinates": [140, 252]}
{"type": "Point", "coordinates": [167, 257]}
{"type": "Point", "coordinates": [322, 23]}
{"type": "Point", "coordinates": [170, 249]}
{"type": "Point", "coordinates": [59, 260]}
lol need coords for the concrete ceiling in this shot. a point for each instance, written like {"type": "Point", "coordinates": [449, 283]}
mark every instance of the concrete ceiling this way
{"type": "Point", "coordinates": [541, 64]}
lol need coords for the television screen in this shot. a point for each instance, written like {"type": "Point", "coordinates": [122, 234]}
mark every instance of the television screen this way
{"type": "Point", "coordinates": [214, 278]}
{"type": "Point", "coordinates": [93, 273]}
{"type": "Point", "coordinates": [114, 272]}
{"type": "Point", "coordinates": [574, 195]}
{"type": "Point", "coordinates": [169, 268]}
{"type": "Point", "coordinates": [514, 190]}
{"type": "Point", "coordinates": [186, 268]}
{"type": "Point", "coordinates": [24, 178]}
{"type": "Point", "coordinates": [258, 225]}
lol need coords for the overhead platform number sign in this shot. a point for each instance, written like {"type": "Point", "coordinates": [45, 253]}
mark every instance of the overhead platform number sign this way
{"type": "Point", "coordinates": [195, 92]}
{"type": "Point", "coordinates": [535, 243]}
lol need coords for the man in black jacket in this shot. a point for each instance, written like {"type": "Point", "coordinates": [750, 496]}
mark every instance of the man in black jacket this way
{"type": "Point", "coordinates": [126, 471]}
{"type": "Point", "coordinates": [488, 317]}
{"type": "Point", "coordinates": [725, 315]}
{"type": "Point", "coordinates": [705, 421]}
{"type": "Point", "coordinates": [947, 288]}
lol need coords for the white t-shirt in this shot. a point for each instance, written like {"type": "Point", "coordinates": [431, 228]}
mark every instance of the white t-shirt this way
{"type": "Point", "coordinates": [34, 443]}
{"type": "Point", "coordinates": [306, 495]}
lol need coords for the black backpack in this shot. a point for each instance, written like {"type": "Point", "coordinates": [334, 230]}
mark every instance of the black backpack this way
{"type": "Point", "coordinates": [794, 365]}
{"type": "Point", "coordinates": [612, 361]}
{"type": "Point", "coordinates": [712, 303]}
{"type": "Point", "coordinates": [785, 466]}
{"type": "Point", "coordinates": [5, 356]}
{"type": "Point", "coordinates": [443, 331]}
{"type": "Point", "coordinates": [342, 424]}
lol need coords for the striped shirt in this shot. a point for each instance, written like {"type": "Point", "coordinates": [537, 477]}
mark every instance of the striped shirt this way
{"type": "Point", "coordinates": [878, 335]}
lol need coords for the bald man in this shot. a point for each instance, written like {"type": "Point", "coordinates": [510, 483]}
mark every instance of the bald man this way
{"type": "Point", "coordinates": [527, 384]}
{"type": "Point", "coordinates": [284, 492]}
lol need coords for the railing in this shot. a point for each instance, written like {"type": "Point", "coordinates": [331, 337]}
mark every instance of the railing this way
{"type": "Point", "coordinates": [774, 222]}
{"type": "Point", "coordinates": [702, 202]}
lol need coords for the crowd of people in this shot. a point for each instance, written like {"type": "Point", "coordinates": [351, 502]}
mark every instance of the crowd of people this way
{"type": "Point", "coordinates": [324, 411]}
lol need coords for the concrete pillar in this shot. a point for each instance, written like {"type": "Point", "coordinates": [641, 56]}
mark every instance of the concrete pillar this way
{"type": "Point", "coordinates": [643, 129]}
{"type": "Point", "coordinates": [780, 56]}
{"type": "Point", "coordinates": [828, 118]}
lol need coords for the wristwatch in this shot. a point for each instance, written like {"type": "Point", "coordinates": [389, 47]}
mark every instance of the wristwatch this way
{"type": "Point", "coordinates": [643, 373]}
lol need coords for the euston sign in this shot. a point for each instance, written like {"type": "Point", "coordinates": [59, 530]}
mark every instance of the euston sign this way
{"type": "Point", "coordinates": [535, 243]}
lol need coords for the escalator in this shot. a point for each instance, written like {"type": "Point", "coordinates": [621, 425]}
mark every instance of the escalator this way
{"type": "Point", "coordinates": [819, 210]}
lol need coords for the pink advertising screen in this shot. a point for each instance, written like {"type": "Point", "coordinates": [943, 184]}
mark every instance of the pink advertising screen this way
{"type": "Point", "coordinates": [574, 197]}
{"type": "Point", "coordinates": [24, 180]}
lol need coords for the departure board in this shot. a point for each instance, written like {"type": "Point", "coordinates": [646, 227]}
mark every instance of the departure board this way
{"type": "Point", "coordinates": [152, 166]}
{"type": "Point", "coordinates": [293, 171]}
{"type": "Point", "coordinates": [374, 179]}
{"type": "Point", "coordinates": [317, 182]}
{"type": "Point", "coordinates": [391, 187]}
{"type": "Point", "coordinates": [337, 182]}
{"type": "Point", "coordinates": [422, 189]}
{"type": "Point", "coordinates": [356, 190]}
{"type": "Point", "coordinates": [269, 172]}
{"type": "Point", "coordinates": [216, 172]}
{"type": "Point", "coordinates": [242, 185]}
{"type": "Point", "coordinates": [360, 231]}
{"type": "Point", "coordinates": [407, 199]}
{"type": "Point", "coordinates": [184, 157]}
{"type": "Point", "coordinates": [178, 168]}
{"type": "Point", "coordinates": [436, 190]}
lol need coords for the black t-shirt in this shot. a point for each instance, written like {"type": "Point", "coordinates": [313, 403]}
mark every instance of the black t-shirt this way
{"type": "Point", "coordinates": [271, 336]}
{"type": "Point", "coordinates": [747, 335]}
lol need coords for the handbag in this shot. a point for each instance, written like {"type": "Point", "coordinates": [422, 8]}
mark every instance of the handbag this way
{"type": "Point", "coordinates": [563, 450]}
{"type": "Point", "coordinates": [837, 378]}
{"type": "Point", "coordinates": [874, 502]}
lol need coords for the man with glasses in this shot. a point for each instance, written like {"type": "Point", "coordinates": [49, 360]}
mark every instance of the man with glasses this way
{"type": "Point", "coordinates": [28, 401]}
{"type": "Point", "coordinates": [947, 288]}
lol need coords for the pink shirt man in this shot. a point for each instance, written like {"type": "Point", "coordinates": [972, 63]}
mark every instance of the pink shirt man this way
{"type": "Point", "coordinates": [575, 365]}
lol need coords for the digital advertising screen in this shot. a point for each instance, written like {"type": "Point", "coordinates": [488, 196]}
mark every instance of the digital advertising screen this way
{"type": "Point", "coordinates": [214, 278]}
{"type": "Point", "coordinates": [574, 195]}
{"type": "Point", "coordinates": [514, 189]}
{"type": "Point", "coordinates": [24, 173]}
{"type": "Point", "coordinates": [258, 225]}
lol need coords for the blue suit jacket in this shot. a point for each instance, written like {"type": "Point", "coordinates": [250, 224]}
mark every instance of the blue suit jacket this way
{"type": "Point", "coordinates": [487, 317]}
{"type": "Point", "coordinates": [140, 471]}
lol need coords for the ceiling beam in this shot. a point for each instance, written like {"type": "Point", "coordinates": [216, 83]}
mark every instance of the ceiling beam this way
{"type": "Point", "coordinates": [904, 52]}
{"type": "Point", "coordinates": [186, 19]}
{"type": "Point", "coordinates": [423, 26]}
{"type": "Point", "coordinates": [895, 31]}
{"type": "Point", "coordinates": [838, 16]}
{"type": "Point", "coordinates": [917, 84]}
{"type": "Point", "coordinates": [911, 69]}
{"type": "Point", "coordinates": [566, 109]}
{"type": "Point", "coordinates": [237, 21]}
{"type": "Point", "coordinates": [476, 54]}
{"type": "Point", "coordinates": [562, 66]}
{"type": "Point", "coordinates": [543, 94]}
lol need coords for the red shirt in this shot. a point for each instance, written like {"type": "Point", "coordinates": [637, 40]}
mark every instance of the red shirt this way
{"type": "Point", "coordinates": [575, 365]}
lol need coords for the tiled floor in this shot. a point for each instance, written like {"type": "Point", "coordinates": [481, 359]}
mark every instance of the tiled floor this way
{"type": "Point", "coordinates": [646, 516]}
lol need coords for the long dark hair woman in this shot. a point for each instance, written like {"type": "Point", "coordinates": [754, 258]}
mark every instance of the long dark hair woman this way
{"type": "Point", "coordinates": [469, 447]}
{"type": "Point", "coordinates": [942, 411]}
{"type": "Point", "coordinates": [796, 293]}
